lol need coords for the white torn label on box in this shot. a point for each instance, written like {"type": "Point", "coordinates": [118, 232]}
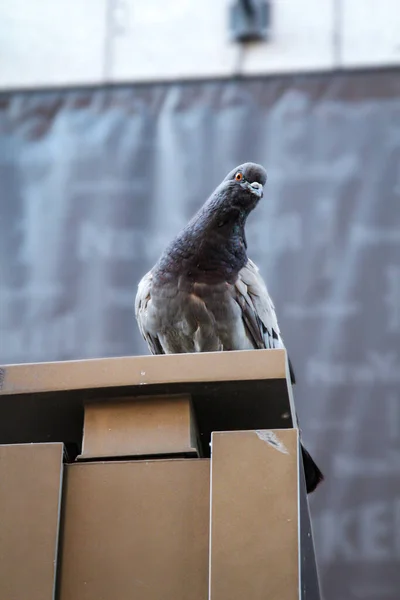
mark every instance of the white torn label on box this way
{"type": "Point", "coordinates": [272, 439]}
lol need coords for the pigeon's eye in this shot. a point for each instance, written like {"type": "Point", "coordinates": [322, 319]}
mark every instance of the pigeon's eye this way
{"type": "Point", "coordinates": [239, 176]}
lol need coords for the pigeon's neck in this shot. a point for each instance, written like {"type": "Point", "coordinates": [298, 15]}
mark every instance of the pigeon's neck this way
{"type": "Point", "coordinates": [207, 254]}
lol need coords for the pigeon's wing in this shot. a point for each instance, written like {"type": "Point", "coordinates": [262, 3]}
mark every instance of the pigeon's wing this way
{"type": "Point", "coordinates": [142, 299]}
{"type": "Point", "coordinates": [260, 320]}
{"type": "Point", "coordinates": [258, 311]}
{"type": "Point", "coordinates": [257, 308]}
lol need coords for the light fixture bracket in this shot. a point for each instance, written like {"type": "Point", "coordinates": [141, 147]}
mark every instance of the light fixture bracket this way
{"type": "Point", "coordinates": [250, 20]}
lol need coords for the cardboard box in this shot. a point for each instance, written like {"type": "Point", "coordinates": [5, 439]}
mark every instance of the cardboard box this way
{"type": "Point", "coordinates": [140, 529]}
{"type": "Point", "coordinates": [254, 522]}
{"type": "Point", "coordinates": [142, 426]}
{"type": "Point", "coordinates": [229, 390]}
{"type": "Point", "coordinates": [136, 529]}
{"type": "Point", "coordinates": [30, 498]}
{"type": "Point", "coordinates": [164, 369]}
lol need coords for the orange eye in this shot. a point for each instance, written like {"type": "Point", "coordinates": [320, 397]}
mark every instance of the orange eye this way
{"type": "Point", "coordinates": [239, 176]}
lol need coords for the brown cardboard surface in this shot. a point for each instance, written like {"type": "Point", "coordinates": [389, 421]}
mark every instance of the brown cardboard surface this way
{"type": "Point", "coordinates": [136, 529]}
{"type": "Point", "coordinates": [143, 370]}
{"type": "Point", "coordinates": [30, 494]}
{"type": "Point", "coordinates": [139, 426]}
{"type": "Point", "coordinates": [230, 391]}
{"type": "Point", "coordinates": [254, 516]}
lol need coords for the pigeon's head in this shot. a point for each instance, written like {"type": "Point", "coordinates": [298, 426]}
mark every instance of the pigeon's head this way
{"type": "Point", "coordinates": [213, 243]}
{"type": "Point", "coordinates": [243, 187]}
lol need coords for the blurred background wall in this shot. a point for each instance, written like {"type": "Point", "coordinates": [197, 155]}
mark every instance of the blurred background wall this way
{"type": "Point", "coordinates": [118, 118]}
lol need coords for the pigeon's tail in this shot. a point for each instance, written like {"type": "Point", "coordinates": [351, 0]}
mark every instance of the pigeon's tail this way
{"type": "Point", "coordinates": [312, 473]}
{"type": "Point", "coordinates": [291, 372]}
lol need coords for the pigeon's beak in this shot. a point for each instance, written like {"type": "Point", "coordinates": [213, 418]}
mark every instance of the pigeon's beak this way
{"type": "Point", "coordinates": [256, 189]}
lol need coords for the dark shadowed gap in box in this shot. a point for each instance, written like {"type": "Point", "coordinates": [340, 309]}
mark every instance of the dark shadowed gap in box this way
{"type": "Point", "coordinates": [58, 417]}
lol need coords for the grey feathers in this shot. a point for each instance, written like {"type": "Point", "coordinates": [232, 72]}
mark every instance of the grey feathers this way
{"type": "Point", "coordinates": [204, 294]}
{"type": "Point", "coordinates": [204, 317]}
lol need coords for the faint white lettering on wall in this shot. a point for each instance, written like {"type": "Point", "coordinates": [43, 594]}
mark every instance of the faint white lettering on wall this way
{"type": "Point", "coordinates": [340, 169]}
{"type": "Point", "coordinates": [371, 236]}
{"type": "Point", "coordinates": [280, 234]}
{"type": "Point", "coordinates": [103, 242]}
{"type": "Point", "coordinates": [326, 214]}
{"type": "Point", "coordinates": [393, 416]}
{"type": "Point", "coordinates": [323, 309]}
{"type": "Point", "coordinates": [351, 466]}
{"type": "Point", "coordinates": [366, 533]}
{"type": "Point", "coordinates": [392, 298]}
{"type": "Point", "coordinates": [379, 367]}
{"type": "Point", "coordinates": [36, 343]}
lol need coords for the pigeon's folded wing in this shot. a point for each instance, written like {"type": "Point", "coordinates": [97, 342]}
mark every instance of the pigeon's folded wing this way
{"type": "Point", "coordinates": [257, 308]}
{"type": "Point", "coordinates": [143, 297]}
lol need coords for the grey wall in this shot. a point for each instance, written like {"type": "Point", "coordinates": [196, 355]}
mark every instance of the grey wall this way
{"type": "Point", "coordinates": [94, 183]}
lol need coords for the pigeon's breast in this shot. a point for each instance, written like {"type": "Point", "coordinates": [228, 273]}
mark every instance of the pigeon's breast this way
{"type": "Point", "coordinates": [196, 317]}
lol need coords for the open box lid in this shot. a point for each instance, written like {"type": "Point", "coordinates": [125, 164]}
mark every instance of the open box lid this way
{"type": "Point", "coordinates": [251, 389]}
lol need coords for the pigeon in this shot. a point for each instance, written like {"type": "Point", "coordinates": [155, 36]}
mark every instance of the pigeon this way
{"type": "Point", "coordinates": [205, 294]}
